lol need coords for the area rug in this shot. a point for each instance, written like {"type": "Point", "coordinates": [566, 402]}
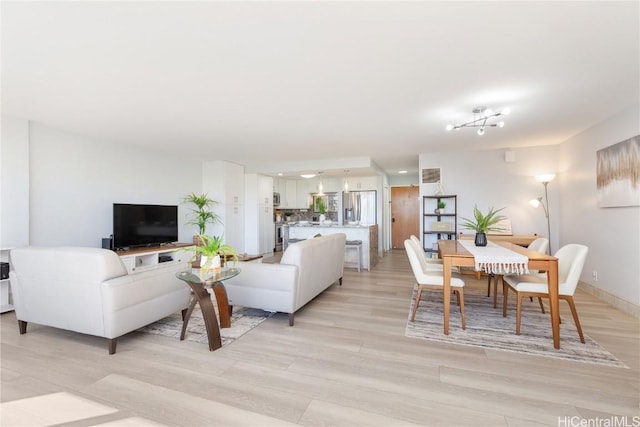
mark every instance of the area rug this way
{"type": "Point", "coordinates": [487, 328]}
{"type": "Point", "coordinates": [243, 320]}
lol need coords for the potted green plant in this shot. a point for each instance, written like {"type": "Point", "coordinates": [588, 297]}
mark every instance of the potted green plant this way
{"type": "Point", "coordinates": [440, 208]}
{"type": "Point", "coordinates": [201, 214]}
{"type": "Point", "coordinates": [210, 251]}
{"type": "Point", "coordinates": [483, 223]}
{"type": "Point", "coordinates": [320, 207]}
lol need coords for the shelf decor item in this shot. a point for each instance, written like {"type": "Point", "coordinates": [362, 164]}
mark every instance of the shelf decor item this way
{"type": "Point", "coordinates": [440, 208]}
{"type": "Point", "coordinates": [483, 223]}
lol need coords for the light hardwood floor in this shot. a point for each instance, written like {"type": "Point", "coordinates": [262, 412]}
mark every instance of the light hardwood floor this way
{"type": "Point", "coordinates": [345, 362]}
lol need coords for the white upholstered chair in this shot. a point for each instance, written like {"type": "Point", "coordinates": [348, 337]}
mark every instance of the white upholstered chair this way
{"type": "Point", "coordinates": [431, 279]}
{"type": "Point", "coordinates": [538, 245]}
{"type": "Point", "coordinates": [571, 259]}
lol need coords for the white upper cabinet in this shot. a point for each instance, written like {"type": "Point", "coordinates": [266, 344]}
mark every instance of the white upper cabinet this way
{"type": "Point", "coordinates": [363, 183]}
{"type": "Point", "coordinates": [224, 182]}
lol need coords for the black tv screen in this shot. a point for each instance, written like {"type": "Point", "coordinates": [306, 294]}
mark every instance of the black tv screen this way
{"type": "Point", "coordinates": [144, 225]}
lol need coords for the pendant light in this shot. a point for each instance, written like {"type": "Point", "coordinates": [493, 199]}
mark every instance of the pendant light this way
{"type": "Point", "coordinates": [346, 180]}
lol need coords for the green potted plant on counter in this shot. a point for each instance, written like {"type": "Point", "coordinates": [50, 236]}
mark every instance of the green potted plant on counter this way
{"type": "Point", "coordinates": [483, 223]}
{"type": "Point", "coordinates": [210, 252]}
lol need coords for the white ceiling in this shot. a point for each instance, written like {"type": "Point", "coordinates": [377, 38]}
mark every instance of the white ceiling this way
{"type": "Point", "coordinates": [271, 84]}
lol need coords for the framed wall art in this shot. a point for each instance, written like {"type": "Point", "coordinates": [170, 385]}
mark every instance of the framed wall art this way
{"type": "Point", "coordinates": [618, 174]}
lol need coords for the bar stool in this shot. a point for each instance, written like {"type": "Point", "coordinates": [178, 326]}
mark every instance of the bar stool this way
{"type": "Point", "coordinates": [357, 245]}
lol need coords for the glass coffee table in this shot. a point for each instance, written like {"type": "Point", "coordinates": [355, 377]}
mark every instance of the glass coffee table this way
{"type": "Point", "coordinates": [201, 296]}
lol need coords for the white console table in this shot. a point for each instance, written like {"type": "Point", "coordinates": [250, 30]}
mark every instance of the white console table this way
{"type": "Point", "coordinates": [142, 259]}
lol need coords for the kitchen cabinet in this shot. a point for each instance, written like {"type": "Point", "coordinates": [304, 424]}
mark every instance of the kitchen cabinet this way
{"type": "Point", "coordinates": [289, 197]}
{"type": "Point", "coordinates": [224, 182]}
{"type": "Point", "coordinates": [303, 198]}
{"type": "Point", "coordinates": [363, 183]}
{"type": "Point", "coordinates": [259, 227]}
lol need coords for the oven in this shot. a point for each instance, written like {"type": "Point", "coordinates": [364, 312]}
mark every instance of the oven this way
{"type": "Point", "coordinates": [279, 238]}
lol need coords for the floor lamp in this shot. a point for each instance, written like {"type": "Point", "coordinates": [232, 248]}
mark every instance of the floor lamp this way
{"type": "Point", "coordinates": [545, 180]}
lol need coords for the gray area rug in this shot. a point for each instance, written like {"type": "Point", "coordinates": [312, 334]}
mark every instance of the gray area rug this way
{"type": "Point", "coordinates": [243, 320]}
{"type": "Point", "coordinates": [488, 329]}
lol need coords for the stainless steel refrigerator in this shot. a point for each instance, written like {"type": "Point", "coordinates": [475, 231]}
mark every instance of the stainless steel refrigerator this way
{"type": "Point", "coordinates": [359, 206]}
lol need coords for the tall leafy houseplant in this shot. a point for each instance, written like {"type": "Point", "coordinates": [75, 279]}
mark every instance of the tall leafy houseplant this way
{"type": "Point", "coordinates": [201, 213]}
{"type": "Point", "coordinates": [483, 223]}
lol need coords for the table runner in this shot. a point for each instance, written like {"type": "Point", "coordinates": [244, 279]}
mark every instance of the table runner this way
{"type": "Point", "coordinates": [496, 259]}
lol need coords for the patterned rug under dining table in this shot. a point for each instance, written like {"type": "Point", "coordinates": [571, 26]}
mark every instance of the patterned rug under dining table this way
{"type": "Point", "coordinates": [453, 254]}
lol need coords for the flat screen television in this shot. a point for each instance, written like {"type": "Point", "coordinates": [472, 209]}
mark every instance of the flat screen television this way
{"type": "Point", "coordinates": [137, 226]}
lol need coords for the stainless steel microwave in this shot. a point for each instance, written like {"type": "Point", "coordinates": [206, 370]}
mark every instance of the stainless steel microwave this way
{"type": "Point", "coordinates": [276, 199]}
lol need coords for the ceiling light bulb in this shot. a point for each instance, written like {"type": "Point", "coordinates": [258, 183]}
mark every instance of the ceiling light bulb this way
{"type": "Point", "coordinates": [481, 131]}
{"type": "Point", "coordinates": [506, 111]}
{"type": "Point", "coordinates": [449, 127]}
{"type": "Point", "coordinates": [346, 186]}
{"type": "Point", "coordinates": [500, 124]}
{"type": "Point", "coordinates": [308, 175]}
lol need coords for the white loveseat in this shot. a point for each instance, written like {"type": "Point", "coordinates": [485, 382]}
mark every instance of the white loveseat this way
{"type": "Point", "coordinates": [88, 290]}
{"type": "Point", "coordinates": [306, 269]}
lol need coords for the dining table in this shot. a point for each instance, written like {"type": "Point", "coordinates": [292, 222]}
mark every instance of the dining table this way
{"type": "Point", "coordinates": [454, 254]}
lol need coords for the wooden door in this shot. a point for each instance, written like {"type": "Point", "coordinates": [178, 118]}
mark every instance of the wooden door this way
{"type": "Point", "coordinates": [405, 214]}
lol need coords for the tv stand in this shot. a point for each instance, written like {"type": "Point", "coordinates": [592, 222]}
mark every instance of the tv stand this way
{"type": "Point", "coordinates": [142, 259]}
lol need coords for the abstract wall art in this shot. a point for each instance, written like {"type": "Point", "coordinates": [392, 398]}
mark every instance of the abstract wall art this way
{"type": "Point", "coordinates": [618, 174]}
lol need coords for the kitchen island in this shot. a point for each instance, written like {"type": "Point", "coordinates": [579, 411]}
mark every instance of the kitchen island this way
{"type": "Point", "coordinates": [368, 234]}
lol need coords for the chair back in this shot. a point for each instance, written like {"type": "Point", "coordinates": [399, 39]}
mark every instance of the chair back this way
{"type": "Point", "coordinates": [571, 259]}
{"type": "Point", "coordinates": [539, 245]}
{"type": "Point", "coordinates": [415, 239]}
{"type": "Point", "coordinates": [414, 259]}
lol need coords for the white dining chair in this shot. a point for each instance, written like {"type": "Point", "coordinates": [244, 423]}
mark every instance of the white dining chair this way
{"type": "Point", "coordinates": [431, 279]}
{"type": "Point", "coordinates": [538, 245]}
{"type": "Point", "coordinates": [571, 259]}
{"type": "Point", "coordinates": [426, 262]}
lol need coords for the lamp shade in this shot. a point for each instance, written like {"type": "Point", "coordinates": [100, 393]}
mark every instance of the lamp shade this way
{"type": "Point", "coordinates": [546, 177]}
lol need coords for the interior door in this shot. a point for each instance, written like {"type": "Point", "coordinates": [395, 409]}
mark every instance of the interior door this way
{"type": "Point", "coordinates": [405, 214]}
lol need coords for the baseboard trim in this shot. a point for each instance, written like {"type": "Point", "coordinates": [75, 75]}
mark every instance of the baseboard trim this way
{"type": "Point", "coordinates": [613, 300]}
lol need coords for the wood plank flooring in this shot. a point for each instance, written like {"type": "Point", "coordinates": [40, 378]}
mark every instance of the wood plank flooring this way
{"type": "Point", "coordinates": [346, 362]}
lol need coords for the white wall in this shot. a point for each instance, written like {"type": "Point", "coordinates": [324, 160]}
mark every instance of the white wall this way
{"type": "Point", "coordinates": [486, 179]}
{"type": "Point", "coordinates": [74, 182]}
{"type": "Point", "coordinates": [612, 234]}
{"type": "Point", "coordinates": [14, 183]}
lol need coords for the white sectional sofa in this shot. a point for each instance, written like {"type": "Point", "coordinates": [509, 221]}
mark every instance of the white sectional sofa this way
{"type": "Point", "coordinates": [88, 290]}
{"type": "Point", "coordinates": [306, 269]}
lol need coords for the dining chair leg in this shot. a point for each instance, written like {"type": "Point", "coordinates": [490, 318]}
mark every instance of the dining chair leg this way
{"type": "Point", "coordinates": [572, 306]}
{"type": "Point", "coordinates": [461, 299]}
{"type": "Point", "coordinates": [541, 305]}
{"type": "Point", "coordinates": [505, 291]}
{"type": "Point", "coordinates": [518, 312]}
{"type": "Point", "coordinates": [457, 292]}
{"type": "Point", "coordinates": [495, 289]}
{"type": "Point", "coordinates": [415, 304]}
{"type": "Point", "coordinates": [489, 276]}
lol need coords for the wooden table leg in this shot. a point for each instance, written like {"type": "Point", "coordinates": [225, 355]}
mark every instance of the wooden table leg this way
{"type": "Point", "coordinates": [223, 304]}
{"type": "Point", "coordinates": [446, 289]}
{"type": "Point", "coordinates": [208, 314]}
{"type": "Point", "coordinates": [554, 306]}
{"type": "Point", "coordinates": [187, 316]}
